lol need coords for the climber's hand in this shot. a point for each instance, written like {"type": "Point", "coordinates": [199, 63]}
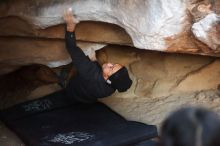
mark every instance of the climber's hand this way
{"type": "Point", "coordinates": [70, 20]}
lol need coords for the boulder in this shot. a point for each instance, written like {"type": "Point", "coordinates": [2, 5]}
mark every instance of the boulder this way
{"type": "Point", "coordinates": [162, 25]}
{"type": "Point", "coordinates": [135, 33]}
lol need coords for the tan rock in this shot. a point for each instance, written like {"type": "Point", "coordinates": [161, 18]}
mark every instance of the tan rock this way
{"type": "Point", "coordinates": [159, 74]}
{"type": "Point", "coordinates": [155, 110]}
{"type": "Point", "coordinates": [201, 79]}
{"type": "Point", "coordinates": [85, 31]}
{"type": "Point", "coordinates": [23, 51]}
{"type": "Point", "coordinates": [154, 74]}
{"type": "Point", "coordinates": [164, 82]}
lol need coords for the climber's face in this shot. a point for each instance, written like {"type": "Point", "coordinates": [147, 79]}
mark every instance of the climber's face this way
{"type": "Point", "coordinates": [109, 69]}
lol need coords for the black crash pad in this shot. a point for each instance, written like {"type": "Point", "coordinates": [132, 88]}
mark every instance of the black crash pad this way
{"type": "Point", "coordinates": [55, 120]}
{"type": "Point", "coordinates": [148, 143]}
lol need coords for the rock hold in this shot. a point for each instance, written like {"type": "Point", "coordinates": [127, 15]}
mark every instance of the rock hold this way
{"type": "Point", "coordinates": [147, 22]}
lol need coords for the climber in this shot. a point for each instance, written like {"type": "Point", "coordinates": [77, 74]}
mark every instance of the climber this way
{"type": "Point", "coordinates": [92, 80]}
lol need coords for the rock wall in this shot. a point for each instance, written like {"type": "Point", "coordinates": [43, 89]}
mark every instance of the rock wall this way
{"type": "Point", "coordinates": [143, 35]}
{"type": "Point", "coordinates": [25, 45]}
{"type": "Point", "coordinates": [164, 82]}
{"type": "Point", "coordinates": [163, 25]}
{"type": "Point", "coordinates": [151, 25]}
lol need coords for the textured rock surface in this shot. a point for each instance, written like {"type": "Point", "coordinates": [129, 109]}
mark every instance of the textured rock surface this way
{"type": "Point", "coordinates": [207, 30]}
{"type": "Point", "coordinates": [85, 31]}
{"type": "Point", "coordinates": [153, 25]}
{"type": "Point", "coordinates": [145, 34]}
{"type": "Point", "coordinates": [23, 51]}
{"type": "Point", "coordinates": [160, 74]}
{"type": "Point", "coordinates": [161, 83]}
{"type": "Point", "coordinates": [155, 110]}
{"type": "Point", "coordinates": [164, 82]}
{"type": "Point", "coordinates": [206, 22]}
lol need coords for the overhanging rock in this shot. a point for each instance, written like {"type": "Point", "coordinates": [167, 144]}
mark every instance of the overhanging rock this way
{"type": "Point", "coordinates": [162, 25]}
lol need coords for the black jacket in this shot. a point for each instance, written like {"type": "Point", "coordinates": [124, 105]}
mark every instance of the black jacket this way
{"type": "Point", "coordinates": [88, 85]}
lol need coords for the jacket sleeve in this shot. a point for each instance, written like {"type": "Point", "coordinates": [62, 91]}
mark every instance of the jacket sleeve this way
{"type": "Point", "coordinates": [85, 67]}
